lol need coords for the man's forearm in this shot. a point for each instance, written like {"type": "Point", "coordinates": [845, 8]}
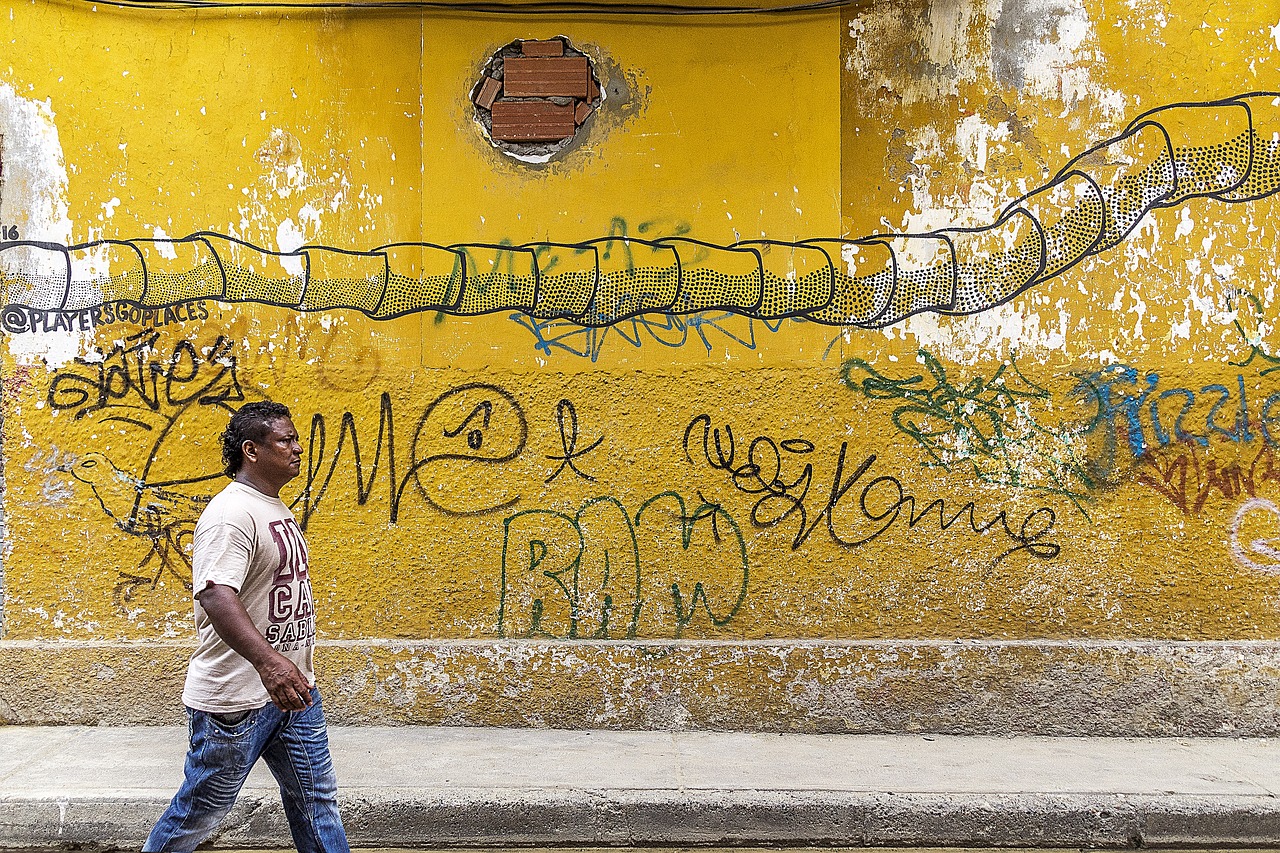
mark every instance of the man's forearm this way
{"type": "Point", "coordinates": [231, 621]}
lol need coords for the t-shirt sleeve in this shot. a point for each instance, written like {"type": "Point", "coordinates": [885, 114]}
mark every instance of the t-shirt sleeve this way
{"type": "Point", "coordinates": [222, 551]}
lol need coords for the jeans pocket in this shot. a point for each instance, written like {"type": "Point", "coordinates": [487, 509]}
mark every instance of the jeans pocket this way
{"type": "Point", "coordinates": [230, 726]}
{"type": "Point", "coordinates": [229, 719]}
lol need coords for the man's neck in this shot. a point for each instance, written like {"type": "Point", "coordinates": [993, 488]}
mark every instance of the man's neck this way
{"type": "Point", "coordinates": [245, 478]}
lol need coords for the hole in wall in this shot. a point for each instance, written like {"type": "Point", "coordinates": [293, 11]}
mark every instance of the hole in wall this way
{"type": "Point", "coordinates": [536, 97]}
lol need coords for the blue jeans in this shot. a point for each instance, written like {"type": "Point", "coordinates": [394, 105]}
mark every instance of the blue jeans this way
{"type": "Point", "coordinates": [295, 746]}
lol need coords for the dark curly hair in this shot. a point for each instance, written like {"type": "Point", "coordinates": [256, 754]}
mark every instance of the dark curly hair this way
{"type": "Point", "coordinates": [251, 423]}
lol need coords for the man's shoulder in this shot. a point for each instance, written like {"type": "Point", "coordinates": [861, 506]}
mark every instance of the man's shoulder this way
{"type": "Point", "coordinates": [239, 503]}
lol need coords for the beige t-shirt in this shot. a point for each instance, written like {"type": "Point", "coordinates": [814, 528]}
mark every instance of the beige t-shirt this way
{"type": "Point", "coordinates": [250, 542]}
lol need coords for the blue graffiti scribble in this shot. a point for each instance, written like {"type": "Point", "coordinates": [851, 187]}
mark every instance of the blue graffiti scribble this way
{"type": "Point", "coordinates": [668, 330]}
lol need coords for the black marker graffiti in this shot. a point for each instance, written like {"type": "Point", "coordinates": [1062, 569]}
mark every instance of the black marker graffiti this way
{"type": "Point", "coordinates": [165, 517]}
{"type": "Point", "coordinates": [145, 392]}
{"type": "Point", "coordinates": [877, 508]}
{"type": "Point", "coordinates": [567, 422]}
{"type": "Point", "coordinates": [471, 427]}
{"type": "Point", "coordinates": [128, 374]}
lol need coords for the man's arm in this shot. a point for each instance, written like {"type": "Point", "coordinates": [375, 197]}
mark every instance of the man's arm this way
{"type": "Point", "coordinates": [287, 687]}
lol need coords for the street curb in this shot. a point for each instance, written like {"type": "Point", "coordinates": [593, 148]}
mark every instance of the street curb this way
{"type": "Point", "coordinates": [379, 817]}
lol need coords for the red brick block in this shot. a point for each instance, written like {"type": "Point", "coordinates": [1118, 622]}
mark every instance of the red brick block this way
{"type": "Point", "coordinates": [550, 47]}
{"type": "Point", "coordinates": [488, 93]}
{"type": "Point", "coordinates": [581, 113]}
{"type": "Point", "coordinates": [545, 77]}
{"type": "Point", "coordinates": [593, 90]}
{"type": "Point", "coordinates": [531, 121]}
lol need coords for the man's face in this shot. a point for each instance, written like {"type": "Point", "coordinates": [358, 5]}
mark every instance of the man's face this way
{"type": "Point", "coordinates": [277, 458]}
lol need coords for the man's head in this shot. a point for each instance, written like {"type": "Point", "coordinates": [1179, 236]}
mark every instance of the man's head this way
{"type": "Point", "coordinates": [251, 437]}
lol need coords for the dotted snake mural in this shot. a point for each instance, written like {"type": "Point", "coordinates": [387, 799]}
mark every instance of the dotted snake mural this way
{"type": "Point", "coordinates": [1228, 150]}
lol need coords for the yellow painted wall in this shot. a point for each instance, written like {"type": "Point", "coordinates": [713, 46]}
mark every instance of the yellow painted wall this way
{"type": "Point", "coordinates": [1086, 453]}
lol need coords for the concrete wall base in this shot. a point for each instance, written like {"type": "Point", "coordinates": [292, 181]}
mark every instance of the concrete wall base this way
{"type": "Point", "coordinates": [1172, 689]}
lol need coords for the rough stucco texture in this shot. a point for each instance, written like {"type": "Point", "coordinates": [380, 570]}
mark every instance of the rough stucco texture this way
{"type": "Point", "coordinates": [907, 368]}
{"type": "Point", "coordinates": [1147, 689]}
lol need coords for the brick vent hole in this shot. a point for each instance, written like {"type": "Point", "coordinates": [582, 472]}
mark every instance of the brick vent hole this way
{"type": "Point", "coordinates": [535, 96]}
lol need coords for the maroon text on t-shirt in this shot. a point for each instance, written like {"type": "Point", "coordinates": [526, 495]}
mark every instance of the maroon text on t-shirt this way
{"type": "Point", "coordinates": [292, 614]}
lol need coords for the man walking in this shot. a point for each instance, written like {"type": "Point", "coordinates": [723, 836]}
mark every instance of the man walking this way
{"type": "Point", "coordinates": [250, 689]}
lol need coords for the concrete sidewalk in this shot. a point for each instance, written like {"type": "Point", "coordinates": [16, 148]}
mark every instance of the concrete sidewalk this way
{"type": "Point", "coordinates": [412, 787]}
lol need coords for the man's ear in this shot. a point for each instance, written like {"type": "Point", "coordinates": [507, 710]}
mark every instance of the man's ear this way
{"type": "Point", "coordinates": [249, 449]}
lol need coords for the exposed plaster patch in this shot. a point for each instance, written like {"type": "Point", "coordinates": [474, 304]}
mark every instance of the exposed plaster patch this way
{"type": "Point", "coordinates": [35, 174]}
{"type": "Point", "coordinates": [303, 192]}
{"type": "Point", "coordinates": [49, 469]}
{"type": "Point", "coordinates": [1045, 48]}
{"type": "Point", "coordinates": [1185, 224]}
{"type": "Point", "coordinates": [947, 37]}
{"type": "Point", "coordinates": [920, 53]}
{"type": "Point", "coordinates": [1031, 38]}
{"type": "Point", "coordinates": [973, 136]}
{"type": "Point", "coordinates": [968, 340]}
{"type": "Point", "coordinates": [165, 249]}
{"type": "Point", "coordinates": [976, 204]}
{"type": "Point", "coordinates": [35, 201]}
{"type": "Point", "coordinates": [289, 238]}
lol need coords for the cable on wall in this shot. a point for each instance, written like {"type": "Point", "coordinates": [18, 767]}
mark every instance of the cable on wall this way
{"type": "Point", "coordinates": [536, 7]}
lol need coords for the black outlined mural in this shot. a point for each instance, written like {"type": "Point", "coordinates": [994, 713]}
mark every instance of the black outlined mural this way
{"type": "Point", "coordinates": [1227, 150]}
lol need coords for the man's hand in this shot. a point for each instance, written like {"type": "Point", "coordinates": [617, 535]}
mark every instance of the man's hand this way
{"type": "Point", "coordinates": [285, 684]}
{"type": "Point", "coordinates": [289, 690]}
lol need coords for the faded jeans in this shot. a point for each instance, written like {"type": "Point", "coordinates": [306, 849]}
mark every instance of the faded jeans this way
{"type": "Point", "coordinates": [295, 746]}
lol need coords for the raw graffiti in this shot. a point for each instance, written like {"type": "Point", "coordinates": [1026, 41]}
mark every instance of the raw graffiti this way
{"type": "Point", "coordinates": [587, 577]}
